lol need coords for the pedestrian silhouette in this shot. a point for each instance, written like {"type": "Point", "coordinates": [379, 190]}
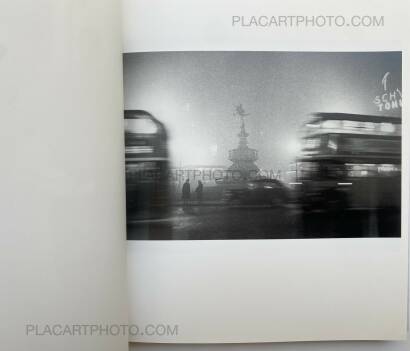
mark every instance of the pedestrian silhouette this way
{"type": "Point", "coordinates": [199, 191]}
{"type": "Point", "coordinates": [186, 192]}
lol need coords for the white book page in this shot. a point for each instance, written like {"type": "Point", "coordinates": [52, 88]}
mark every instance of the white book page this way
{"type": "Point", "coordinates": [62, 183]}
{"type": "Point", "coordinates": [264, 290]}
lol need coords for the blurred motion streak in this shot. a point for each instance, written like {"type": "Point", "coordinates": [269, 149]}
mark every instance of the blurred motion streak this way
{"type": "Point", "coordinates": [146, 166]}
{"type": "Point", "coordinates": [349, 161]}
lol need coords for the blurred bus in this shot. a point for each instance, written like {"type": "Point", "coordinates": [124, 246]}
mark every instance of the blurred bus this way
{"type": "Point", "coordinates": [350, 161]}
{"type": "Point", "coordinates": [146, 166]}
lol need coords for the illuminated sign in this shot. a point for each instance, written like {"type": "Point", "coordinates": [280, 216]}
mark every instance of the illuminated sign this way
{"type": "Point", "coordinates": [391, 98]}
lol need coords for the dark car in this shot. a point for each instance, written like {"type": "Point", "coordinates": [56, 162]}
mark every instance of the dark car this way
{"type": "Point", "coordinates": [258, 192]}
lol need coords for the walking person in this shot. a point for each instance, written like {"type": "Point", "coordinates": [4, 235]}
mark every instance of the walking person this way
{"type": "Point", "coordinates": [199, 192]}
{"type": "Point", "coordinates": [186, 193]}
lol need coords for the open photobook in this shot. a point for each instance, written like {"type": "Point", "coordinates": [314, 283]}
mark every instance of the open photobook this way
{"type": "Point", "coordinates": [264, 181]}
{"type": "Point", "coordinates": [226, 171]}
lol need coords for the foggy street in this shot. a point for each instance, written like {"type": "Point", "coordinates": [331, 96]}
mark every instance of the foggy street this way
{"type": "Point", "coordinates": [262, 145]}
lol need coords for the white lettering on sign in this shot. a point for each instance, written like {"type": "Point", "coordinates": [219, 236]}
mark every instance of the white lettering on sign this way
{"type": "Point", "coordinates": [390, 99]}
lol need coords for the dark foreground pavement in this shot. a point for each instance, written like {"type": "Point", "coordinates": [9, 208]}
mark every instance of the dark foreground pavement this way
{"type": "Point", "coordinates": [261, 222]}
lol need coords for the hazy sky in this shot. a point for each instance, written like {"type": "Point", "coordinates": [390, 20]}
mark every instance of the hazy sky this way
{"type": "Point", "coordinates": [194, 94]}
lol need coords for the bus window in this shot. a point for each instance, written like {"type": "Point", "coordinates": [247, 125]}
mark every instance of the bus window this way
{"type": "Point", "coordinates": [140, 126]}
{"type": "Point", "coordinates": [360, 145]}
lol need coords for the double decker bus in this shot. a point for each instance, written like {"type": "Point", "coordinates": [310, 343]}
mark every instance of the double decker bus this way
{"type": "Point", "coordinates": [146, 166]}
{"type": "Point", "coordinates": [350, 161]}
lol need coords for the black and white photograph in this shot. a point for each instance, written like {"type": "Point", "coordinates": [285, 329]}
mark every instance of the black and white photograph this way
{"type": "Point", "coordinates": [262, 145]}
